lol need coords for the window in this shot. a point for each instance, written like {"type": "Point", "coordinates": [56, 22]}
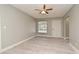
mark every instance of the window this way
{"type": "Point", "coordinates": [42, 26]}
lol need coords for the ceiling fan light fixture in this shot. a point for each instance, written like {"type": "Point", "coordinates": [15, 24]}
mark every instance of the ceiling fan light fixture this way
{"type": "Point", "coordinates": [43, 12]}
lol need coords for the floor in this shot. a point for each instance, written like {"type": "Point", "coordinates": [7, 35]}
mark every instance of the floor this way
{"type": "Point", "coordinates": [42, 45]}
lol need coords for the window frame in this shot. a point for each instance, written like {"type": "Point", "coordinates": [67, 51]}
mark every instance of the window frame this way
{"type": "Point", "coordinates": [38, 25]}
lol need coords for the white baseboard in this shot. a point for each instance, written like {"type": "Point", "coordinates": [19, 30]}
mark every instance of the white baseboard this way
{"type": "Point", "coordinates": [16, 44]}
{"type": "Point", "coordinates": [74, 48]}
{"type": "Point", "coordinates": [48, 36]}
{"type": "Point", "coordinates": [65, 38]}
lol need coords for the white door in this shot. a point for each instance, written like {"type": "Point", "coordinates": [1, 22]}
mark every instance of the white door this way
{"type": "Point", "coordinates": [57, 28]}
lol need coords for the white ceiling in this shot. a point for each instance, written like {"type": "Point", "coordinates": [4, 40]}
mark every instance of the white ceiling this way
{"type": "Point", "coordinates": [59, 10]}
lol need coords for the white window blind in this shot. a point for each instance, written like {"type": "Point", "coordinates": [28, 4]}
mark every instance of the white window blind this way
{"type": "Point", "coordinates": [42, 27]}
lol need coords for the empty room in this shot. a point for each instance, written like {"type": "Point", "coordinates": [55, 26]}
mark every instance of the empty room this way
{"type": "Point", "coordinates": [39, 28]}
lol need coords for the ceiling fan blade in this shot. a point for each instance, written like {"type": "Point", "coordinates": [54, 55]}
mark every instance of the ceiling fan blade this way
{"type": "Point", "coordinates": [49, 9]}
{"type": "Point", "coordinates": [38, 9]}
{"type": "Point", "coordinates": [46, 12]}
{"type": "Point", "coordinates": [44, 6]}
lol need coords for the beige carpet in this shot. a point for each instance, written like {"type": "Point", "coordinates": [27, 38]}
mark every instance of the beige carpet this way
{"type": "Point", "coordinates": [42, 45]}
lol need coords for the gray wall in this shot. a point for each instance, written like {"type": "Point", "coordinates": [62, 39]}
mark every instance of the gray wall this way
{"type": "Point", "coordinates": [16, 25]}
{"type": "Point", "coordinates": [55, 28]}
{"type": "Point", "coordinates": [74, 25]}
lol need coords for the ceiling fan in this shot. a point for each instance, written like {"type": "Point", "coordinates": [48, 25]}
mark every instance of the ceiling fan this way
{"type": "Point", "coordinates": [44, 10]}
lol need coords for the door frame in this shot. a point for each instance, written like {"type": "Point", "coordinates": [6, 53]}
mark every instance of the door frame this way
{"type": "Point", "coordinates": [0, 33]}
{"type": "Point", "coordinates": [66, 27]}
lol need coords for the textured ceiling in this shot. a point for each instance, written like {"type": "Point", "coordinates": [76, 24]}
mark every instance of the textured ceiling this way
{"type": "Point", "coordinates": [59, 10]}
